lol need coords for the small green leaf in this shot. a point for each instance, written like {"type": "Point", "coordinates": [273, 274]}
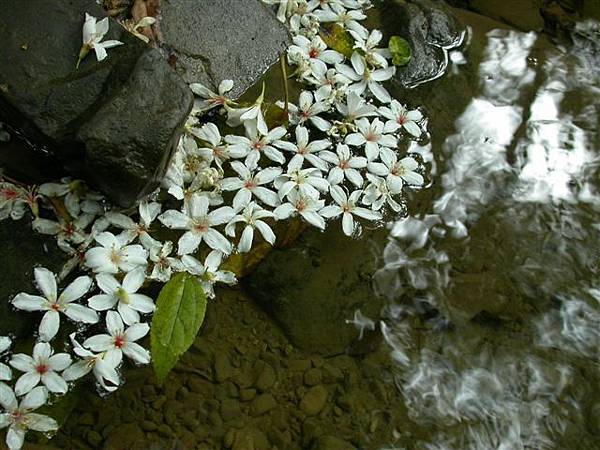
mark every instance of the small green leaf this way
{"type": "Point", "coordinates": [400, 50]}
{"type": "Point", "coordinates": [180, 311]}
{"type": "Point", "coordinates": [339, 40]}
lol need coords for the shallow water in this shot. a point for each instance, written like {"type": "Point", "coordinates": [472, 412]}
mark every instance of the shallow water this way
{"type": "Point", "coordinates": [499, 268]}
{"type": "Point", "coordinates": [490, 287]}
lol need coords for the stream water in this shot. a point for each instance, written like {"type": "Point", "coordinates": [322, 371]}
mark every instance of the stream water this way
{"type": "Point", "coordinates": [490, 287]}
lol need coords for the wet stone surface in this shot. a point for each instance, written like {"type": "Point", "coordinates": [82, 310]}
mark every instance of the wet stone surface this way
{"type": "Point", "coordinates": [213, 40]}
{"type": "Point", "coordinates": [22, 251]}
{"type": "Point", "coordinates": [114, 122]}
{"type": "Point", "coordinates": [430, 27]}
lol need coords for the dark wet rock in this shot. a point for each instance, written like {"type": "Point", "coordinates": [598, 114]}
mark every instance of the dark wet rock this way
{"type": "Point", "coordinates": [312, 288]}
{"type": "Point", "coordinates": [126, 437]}
{"type": "Point", "coordinates": [266, 379]}
{"type": "Point", "coordinates": [223, 368]}
{"type": "Point", "coordinates": [262, 404]}
{"type": "Point", "coordinates": [128, 142]}
{"type": "Point", "coordinates": [248, 438]}
{"type": "Point", "coordinates": [195, 33]}
{"type": "Point", "coordinates": [230, 409]}
{"type": "Point", "coordinates": [312, 377]}
{"type": "Point", "coordinates": [114, 122]}
{"type": "Point", "coordinates": [430, 28]}
{"type": "Point", "coordinates": [331, 443]}
{"type": "Point", "coordinates": [22, 251]}
{"type": "Point", "coordinates": [314, 400]}
{"type": "Point", "coordinates": [247, 394]}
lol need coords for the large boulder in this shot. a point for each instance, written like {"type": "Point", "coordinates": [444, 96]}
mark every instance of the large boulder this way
{"type": "Point", "coordinates": [112, 122]}
{"type": "Point", "coordinates": [213, 40]}
{"type": "Point", "coordinates": [314, 288]}
{"type": "Point", "coordinates": [430, 28]}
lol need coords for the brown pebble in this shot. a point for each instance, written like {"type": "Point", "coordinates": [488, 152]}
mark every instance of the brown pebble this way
{"type": "Point", "coordinates": [262, 404]}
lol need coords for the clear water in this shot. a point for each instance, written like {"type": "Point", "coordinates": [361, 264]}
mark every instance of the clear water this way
{"type": "Point", "coordinates": [493, 282]}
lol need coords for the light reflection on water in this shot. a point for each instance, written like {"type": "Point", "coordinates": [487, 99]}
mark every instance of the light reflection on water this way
{"type": "Point", "coordinates": [493, 291]}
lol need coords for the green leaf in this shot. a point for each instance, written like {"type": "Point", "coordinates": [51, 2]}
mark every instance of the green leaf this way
{"type": "Point", "coordinates": [339, 40]}
{"type": "Point", "coordinates": [180, 311]}
{"type": "Point", "coordinates": [400, 50]}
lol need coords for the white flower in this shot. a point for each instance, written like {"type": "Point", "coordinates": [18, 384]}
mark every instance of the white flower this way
{"type": "Point", "coordinates": [238, 116]}
{"type": "Point", "coordinates": [129, 302]}
{"type": "Point", "coordinates": [355, 108]}
{"type": "Point", "coordinates": [367, 42]}
{"type": "Point", "coordinates": [287, 8]}
{"type": "Point", "coordinates": [199, 224]}
{"type": "Point", "coordinates": [209, 272]}
{"type": "Point", "coordinates": [120, 340]}
{"type": "Point", "coordinates": [189, 159]}
{"type": "Point", "coordinates": [307, 182]}
{"type": "Point", "coordinates": [215, 150]}
{"type": "Point", "coordinates": [377, 193]}
{"type": "Point", "coordinates": [371, 135]}
{"type": "Point", "coordinates": [68, 190]}
{"type": "Point", "coordinates": [345, 165]}
{"type": "Point", "coordinates": [399, 117]}
{"type": "Point", "coordinates": [42, 367]}
{"type": "Point", "coordinates": [5, 372]}
{"type": "Point", "coordinates": [256, 143]}
{"type": "Point", "coordinates": [308, 110]}
{"type": "Point", "coordinates": [395, 171]}
{"type": "Point", "coordinates": [338, 14]}
{"type": "Point", "coordinates": [249, 184]}
{"type": "Point", "coordinates": [251, 216]}
{"type": "Point", "coordinates": [346, 206]}
{"type": "Point", "coordinates": [115, 255]}
{"type": "Point", "coordinates": [163, 263]}
{"type": "Point", "coordinates": [133, 28]}
{"type": "Point", "coordinates": [19, 417]}
{"type": "Point", "coordinates": [330, 84]}
{"type": "Point", "coordinates": [103, 366]}
{"type": "Point", "coordinates": [54, 304]}
{"type": "Point", "coordinates": [12, 201]}
{"type": "Point", "coordinates": [77, 254]}
{"type": "Point", "coordinates": [305, 206]}
{"type": "Point", "coordinates": [314, 51]}
{"type": "Point", "coordinates": [148, 211]}
{"type": "Point", "coordinates": [212, 99]}
{"type": "Point", "coordinates": [304, 149]}
{"type": "Point", "coordinates": [93, 33]}
{"type": "Point", "coordinates": [365, 78]}
{"type": "Point", "coordinates": [73, 231]}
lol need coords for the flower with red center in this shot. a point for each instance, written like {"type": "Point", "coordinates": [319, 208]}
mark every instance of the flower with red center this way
{"type": "Point", "coordinates": [399, 117]}
{"type": "Point", "coordinates": [372, 136]}
{"type": "Point", "coordinates": [19, 417]}
{"type": "Point", "coordinates": [54, 304]}
{"type": "Point", "coordinates": [345, 165]}
{"type": "Point", "coordinates": [249, 184]}
{"type": "Point", "coordinates": [304, 206]}
{"type": "Point", "coordinates": [120, 340]}
{"type": "Point", "coordinates": [213, 99]}
{"type": "Point", "coordinates": [305, 150]}
{"type": "Point", "coordinates": [42, 367]}
{"type": "Point", "coordinates": [346, 207]}
{"type": "Point", "coordinates": [125, 296]}
{"type": "Point", "coordinates": [199, 224]}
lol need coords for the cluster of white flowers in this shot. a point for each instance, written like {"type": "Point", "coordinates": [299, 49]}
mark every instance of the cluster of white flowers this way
{"type": "Point", "coordinates": [336, 157]}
